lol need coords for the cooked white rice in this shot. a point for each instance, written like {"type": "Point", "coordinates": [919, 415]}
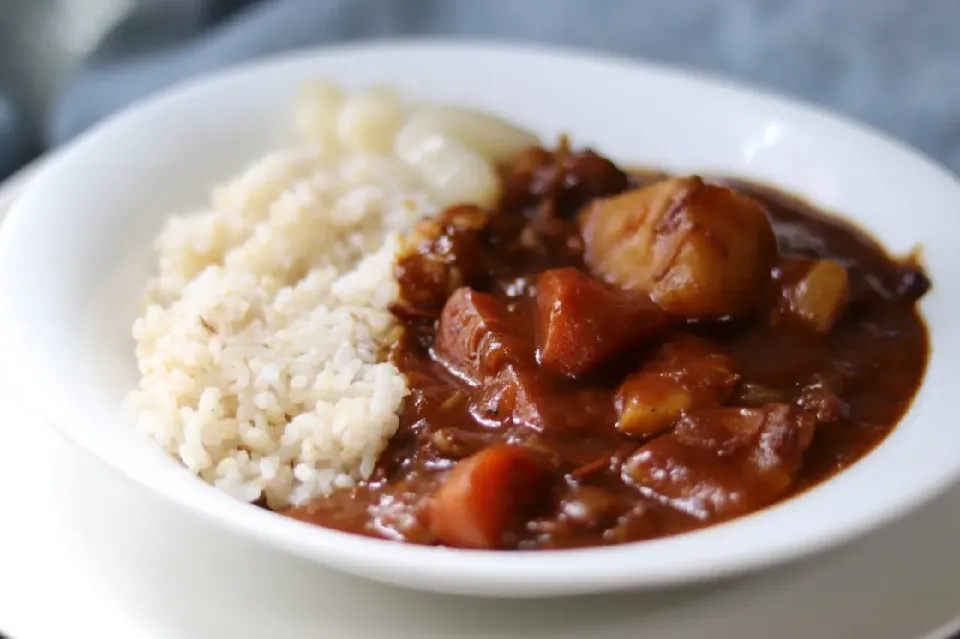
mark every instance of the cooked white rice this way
{"type": "Point", "coordinates": [261, 340]}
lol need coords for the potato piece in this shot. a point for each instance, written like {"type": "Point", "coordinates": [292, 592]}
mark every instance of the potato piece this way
{"type": "Point", "coordinates": [813, 291]}
{"type": "Point", "coordinates": [583, 322]}
{"type": "Point", "coordinates": [483, 498]}
{"type": "Point", "coordinates": [698, 250]}
{"type": "Point", "coordinates": [685, 374]}
{"type": "Point", "coordinates": [649, 403]}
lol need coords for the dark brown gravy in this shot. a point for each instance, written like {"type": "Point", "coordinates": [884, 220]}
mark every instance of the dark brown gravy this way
{"type": "Point", "coordinates": [866, 370]}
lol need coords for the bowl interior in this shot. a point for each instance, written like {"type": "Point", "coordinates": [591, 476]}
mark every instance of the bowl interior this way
{"type": "Point", "coordinates": [77, 250]}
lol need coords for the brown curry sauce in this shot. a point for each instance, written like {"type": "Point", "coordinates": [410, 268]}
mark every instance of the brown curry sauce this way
{"type": "Point", "coordinates": [847, 388]}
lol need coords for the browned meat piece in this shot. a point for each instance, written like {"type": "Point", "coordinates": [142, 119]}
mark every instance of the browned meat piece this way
{"type": "Point", "coordinates": [812, 292]}
{"type": "Point", "coordinates": [475, 338]}
{"type": "Point", "coordinates": [912, 282]}
{"type": "Point", "coordinates": [519, 397]}
{"type": "Point", "coordinates": [513, 397]}
{"type": "Point", "coordinates": [723, 430]}
{"type": "Point", "coordinates": [699, 250]}
{"type": "Point", "coordinates": [444, 253]}
{"type": "Point", "coordinates": [560, 182]}
{"type": "Point", "coordinates": [785, 436]}
{"type": "Point", "coordinates": [821, 398]}
{"type": "Point", "coordinates": [724, 462]}
{"type": "Point", "coordinates": [425, 281]}
{"type": "Point", "coordinates": [684, 374]}
{"type": "Point", "coordinates": [484, 498]}
{"type": "Point", "coordinates": [583, 322]}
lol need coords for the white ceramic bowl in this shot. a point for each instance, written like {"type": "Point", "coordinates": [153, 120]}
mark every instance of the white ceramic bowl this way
{"type": "Point", "coordinates": [76, 250]}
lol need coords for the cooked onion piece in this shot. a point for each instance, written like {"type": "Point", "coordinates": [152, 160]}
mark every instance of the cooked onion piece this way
{"type": "Point", "coordinates": [495, 139]}
{"type": "Point", "coordinates": [457, 174]}
{"type": "Point", "coordinates": [454, 150]}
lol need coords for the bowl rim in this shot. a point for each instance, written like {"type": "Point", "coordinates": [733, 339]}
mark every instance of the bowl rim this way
{"type": "Point", "coordinates": [530, 574]}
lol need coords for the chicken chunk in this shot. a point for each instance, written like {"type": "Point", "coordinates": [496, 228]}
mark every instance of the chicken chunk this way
{"type": "Point", "coordinates": [684, 374]}
{"type": "Point", "coordinates": [583, 322]}
{"type": "Point", "coordinates": [698, 250]}
{"type": "Point", "coordinates": [724, 462]}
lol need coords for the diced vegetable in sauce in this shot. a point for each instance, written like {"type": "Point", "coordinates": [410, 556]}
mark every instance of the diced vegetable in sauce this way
{"type": "Point", "coordinates": [481, 501]}
{"type": "Point", "coordinates": [475, 337]}
{"type": "Point", "coordinates": [517, 397]}
{"type": "Point", "coordinates": [583, 322]}
{"type": "Point", "coordinates": [683, 375]}
{"type": "Point", "coordinates": [813, 292]}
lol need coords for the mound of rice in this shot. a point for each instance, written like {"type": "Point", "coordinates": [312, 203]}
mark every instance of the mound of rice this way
{"type": "Point", "coordinates": [261, 340]}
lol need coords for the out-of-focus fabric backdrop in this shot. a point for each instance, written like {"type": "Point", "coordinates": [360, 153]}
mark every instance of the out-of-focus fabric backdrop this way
{"type": "Point", "coordinates": [65, 64]}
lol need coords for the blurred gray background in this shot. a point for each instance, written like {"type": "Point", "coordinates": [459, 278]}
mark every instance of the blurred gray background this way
{"type": "Point", "coordinates": [64, 64]}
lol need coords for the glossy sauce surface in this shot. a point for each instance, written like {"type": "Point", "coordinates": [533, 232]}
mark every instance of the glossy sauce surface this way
{"type": "Point", "coordinates": [782, 407]}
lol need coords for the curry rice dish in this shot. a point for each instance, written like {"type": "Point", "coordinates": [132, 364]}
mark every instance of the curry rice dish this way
{"type": "Point", "coordinates": [419, 324]}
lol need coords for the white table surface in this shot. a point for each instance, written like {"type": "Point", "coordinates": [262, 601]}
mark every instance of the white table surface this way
{"type": "Point", "coordinates": [86, 553]}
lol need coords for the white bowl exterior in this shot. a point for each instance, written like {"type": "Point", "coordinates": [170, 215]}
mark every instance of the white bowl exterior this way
{"type": "Point", "coordinates": [77, 249]}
